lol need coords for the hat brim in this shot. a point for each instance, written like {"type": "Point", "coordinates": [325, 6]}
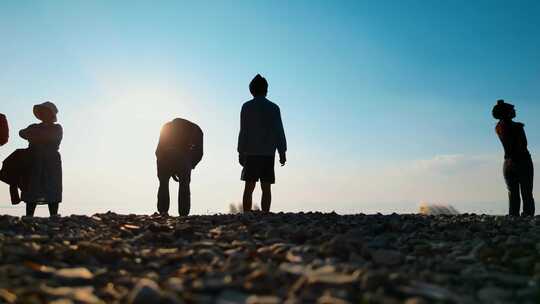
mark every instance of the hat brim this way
{"type": "Point", "coordinates": [44, 114]}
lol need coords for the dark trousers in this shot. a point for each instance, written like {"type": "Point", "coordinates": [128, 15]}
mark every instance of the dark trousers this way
{"type": "Point", "coordinates": [31, 208]}
{"type": "Point", "coordinates": [184, 196]}
{"type": "Point", "coordinates": [180, 168]}
{"type": "Point", "coordinates": [519, 176]}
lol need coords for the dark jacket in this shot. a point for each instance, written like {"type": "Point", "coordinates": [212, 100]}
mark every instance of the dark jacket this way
{"type": "Point", "coordinates": [4, 130]}
{"type": "Point", "coordinates": [45, 180]}
{"type": "Point", "coordinates": [261, 129]}
{"type": "Point", "coordinates": [181, 138]}
{"type": "Point", "coordinates": [513, 139]}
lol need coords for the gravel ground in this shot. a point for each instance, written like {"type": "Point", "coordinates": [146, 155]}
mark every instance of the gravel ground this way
{"type": "Point", "coordinates": [275, 258]}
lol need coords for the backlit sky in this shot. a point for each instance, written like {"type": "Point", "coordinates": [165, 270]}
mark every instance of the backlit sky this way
{"type": "Point", "coordinates": [385, 103]}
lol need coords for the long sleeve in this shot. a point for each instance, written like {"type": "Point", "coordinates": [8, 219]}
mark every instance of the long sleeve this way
{"type": "Point", "coordinates": [242, 136]}
{"type": "Point", "coordinates": [38, 133]}
{"type": "Point", "coordinates": [522, 137]}
{"type": "Point", "coordinates": [4, 130]}
{"type": "Point", "coordinates": [281, 139]}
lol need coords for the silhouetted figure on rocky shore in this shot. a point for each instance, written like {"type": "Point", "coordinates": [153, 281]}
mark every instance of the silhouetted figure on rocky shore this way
{"type": "Point", "coordinates": [37, 170]}
{"type": "Point", "coordinates": [261, 134]}
{"type": "Point", "coordinates": [4, 130]}
{"type": "Point", "coordinates": [179, 150]}
{"type": "Point", "coordinates": [518, 166]}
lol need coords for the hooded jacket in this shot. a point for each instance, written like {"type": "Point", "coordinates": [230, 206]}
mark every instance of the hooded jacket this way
{"type": "Point", "coordinates": [181, 138]}
{"type": "Point", "coordinates": [261, 129]}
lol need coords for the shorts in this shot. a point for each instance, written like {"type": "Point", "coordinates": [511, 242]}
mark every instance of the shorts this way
{"type": "Point", "coordinates": [174, 165]}
{"type": "Point", "coordinates": [259, 168]}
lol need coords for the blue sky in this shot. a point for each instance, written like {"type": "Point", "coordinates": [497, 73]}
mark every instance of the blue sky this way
{"type": "Point", "coordinates": [385, 103]}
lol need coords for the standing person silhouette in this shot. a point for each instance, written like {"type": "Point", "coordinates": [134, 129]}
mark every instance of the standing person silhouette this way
{"type": "Point", "coordinates": [4, 130]}
{"type": "Point", "coordinates": [179, 150]}
{"type": "Point", "coordinates": [518, 167]}
{"type": "Point", "coordinates": [37, 170]}
{"type": "Point", "coordinates": [261, 134]}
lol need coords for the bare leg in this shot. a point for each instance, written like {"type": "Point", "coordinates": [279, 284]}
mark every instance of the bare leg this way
{"type": "Point", "coordinates": [30, 209]}
{"type": "Point", "coordinates": [163, 195]}
{"type": "Point", "coordinates": [266, 199]}
{"type": "Point", "coordinates": [53, 209]}
{"type": "Point", "coordinates": [184, 198]}
{"type": "Point", "coordinates": [248, 196]}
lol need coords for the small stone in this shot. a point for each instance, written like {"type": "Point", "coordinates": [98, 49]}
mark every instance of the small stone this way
{"type": "Point", "coordinates": [145, 291]}
{"type": "Point", "coordinates": [328, 299]}
{"type": "Point", "coordinates": [415, 300]}
{"type": "Point", "coordinates": [254, 299]}
{"type": "Point", "coordinates": [512, 240]}
{"type": "Point", "coordinates": [528, 293]}
{"type": "Point", "coordinates": [387, 257]}
{"type": "Point", "coordinates": [79, 294]}
{"type": "Point", "coordinates": [331, 278]}
{"type": "Point", "coordinates": [61, 301]}
{"type": "Point", "coordinates": [6, 296]}
{"type": "Point", "coordinates": [231, 297]}
{"type": "Point", "coordinates": [493, 294]}
{"type": "Point", "coordinates": [373, 280]}
{"type": "Point", "coordinates": [74, 276]}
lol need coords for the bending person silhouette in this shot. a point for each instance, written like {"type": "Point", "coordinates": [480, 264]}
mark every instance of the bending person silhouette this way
{"type": "Point", "coordinates": [4, 130]}
{"type": "Point", "coordinates": [179, 150]}
{"type": "Point", "coordinates": [518, 166]}
{"type": "Point", "coordinates": [37, 170]}
{"type": "Point", "coordinates": [261, 134]}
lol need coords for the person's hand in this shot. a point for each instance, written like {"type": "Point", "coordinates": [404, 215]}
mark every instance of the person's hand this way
{"type": "Point", "coordinates": [242, 159]}
{"type": "Point", "coordinates": [282, 159]}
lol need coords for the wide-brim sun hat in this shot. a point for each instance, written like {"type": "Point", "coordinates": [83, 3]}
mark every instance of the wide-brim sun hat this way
{"type": "Point", "coordinates": [46, 111]}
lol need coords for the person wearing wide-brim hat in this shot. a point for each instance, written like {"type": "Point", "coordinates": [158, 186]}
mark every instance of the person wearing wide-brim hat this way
{"type": "Point", "coordinates": [37, 171]}
{"type": "Point", "coordinates": [518, 167]}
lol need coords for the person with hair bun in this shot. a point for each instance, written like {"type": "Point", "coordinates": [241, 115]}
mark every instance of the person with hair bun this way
{"type": "Point", "coordinates": [518, 167]}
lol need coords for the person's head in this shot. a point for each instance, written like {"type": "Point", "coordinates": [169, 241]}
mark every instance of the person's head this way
{"type": "Point", "coordinates": [46, 112]}
{"type": "Point", "coordinates": [258, 86]}
{"type": "Point", "coordinates": [503, 110]}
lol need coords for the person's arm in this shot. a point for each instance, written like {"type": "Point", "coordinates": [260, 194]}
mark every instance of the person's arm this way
{"type": "Point", "coordinates": [242, 136]}
{"type": "Point", "coordinates": [4, 130]}
{"type": "Point", "coordinates": [42, 134]}
{"type": "Point", "coordinates": [281, 139]}
{"type": "Point", "coordinates": [30, 133]}
{"type": "Point", "coordinates": [523, 136]}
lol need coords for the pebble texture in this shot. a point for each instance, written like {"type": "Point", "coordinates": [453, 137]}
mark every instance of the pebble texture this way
{"type": "Point", "coordinates": [267, 259]}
